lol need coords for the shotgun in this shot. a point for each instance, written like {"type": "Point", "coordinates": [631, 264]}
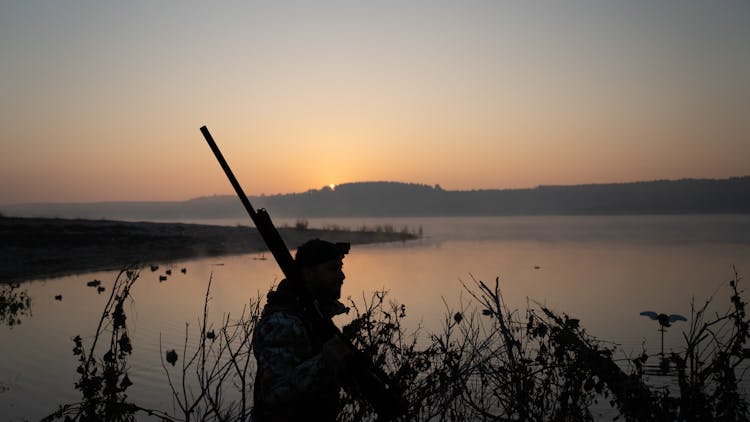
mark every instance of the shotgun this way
{"type": "Point", "coordinates": [374, 384]}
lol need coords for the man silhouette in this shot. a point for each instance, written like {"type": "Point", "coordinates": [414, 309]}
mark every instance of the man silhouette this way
{"type": "Point", "coordinates": [299, 374]}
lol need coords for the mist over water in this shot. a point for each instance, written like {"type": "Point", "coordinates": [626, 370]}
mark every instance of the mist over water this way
{"type": "Point", "coordinates": [601, 270]}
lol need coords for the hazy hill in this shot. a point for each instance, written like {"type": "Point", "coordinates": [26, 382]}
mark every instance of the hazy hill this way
{"type": "Point", "coordinates": [406, 199]}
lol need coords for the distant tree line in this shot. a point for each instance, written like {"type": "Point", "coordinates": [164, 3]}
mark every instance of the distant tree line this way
{"type": "Point", "coordinates": [401, 199]}
{"type": "Point", "coordinates": [391, 199]}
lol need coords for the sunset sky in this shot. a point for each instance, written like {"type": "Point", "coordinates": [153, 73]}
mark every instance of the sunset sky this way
{"type": "Point", "coordinates": [103, 100]}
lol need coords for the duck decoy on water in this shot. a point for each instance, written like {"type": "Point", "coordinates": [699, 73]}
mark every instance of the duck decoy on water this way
{"type": "Point", "coordinates": [664, 321]}
{"type": "Point", "coordinates": [94, 283]}
{"type": "Point", "coordinates": [172, 357]}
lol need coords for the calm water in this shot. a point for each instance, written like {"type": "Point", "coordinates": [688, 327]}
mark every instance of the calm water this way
{"type": "Point", "coordinates": [602, 270]}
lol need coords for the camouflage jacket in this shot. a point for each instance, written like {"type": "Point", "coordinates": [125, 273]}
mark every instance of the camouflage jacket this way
{"type": "Point", "coordinates": [294, 381]}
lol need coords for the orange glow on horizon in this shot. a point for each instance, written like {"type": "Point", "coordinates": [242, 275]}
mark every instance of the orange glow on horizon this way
{"type": "Point", "coordinates": [498, 102]}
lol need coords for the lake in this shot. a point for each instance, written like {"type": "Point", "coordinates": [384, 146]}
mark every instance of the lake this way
{"type": "Point", "coordinates": [602, 270]}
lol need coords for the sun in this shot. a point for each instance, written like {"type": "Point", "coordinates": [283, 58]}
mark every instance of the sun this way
{"type": "Point", "coordinates": [332, 186]}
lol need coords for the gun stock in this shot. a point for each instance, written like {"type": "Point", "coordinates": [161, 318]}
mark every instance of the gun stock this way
{"type": "Point", "coordinates": [375, 385]}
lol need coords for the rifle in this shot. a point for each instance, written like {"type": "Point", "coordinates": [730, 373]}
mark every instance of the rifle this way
{"type": "Point", "coordinates": [375, 385]}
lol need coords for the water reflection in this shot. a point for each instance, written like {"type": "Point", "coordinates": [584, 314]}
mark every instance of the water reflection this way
{"type": "Point", "coordinates": [602, 272]}
{"type": "Point", "coordinates": [103, 376]}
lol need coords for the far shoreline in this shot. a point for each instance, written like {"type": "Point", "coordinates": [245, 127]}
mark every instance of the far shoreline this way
{"type": "Point", "coordinates": [38, 248]}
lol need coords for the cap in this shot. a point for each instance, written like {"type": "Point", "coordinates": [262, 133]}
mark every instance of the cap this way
{"type": "Point", "coordinates": [316, 251]}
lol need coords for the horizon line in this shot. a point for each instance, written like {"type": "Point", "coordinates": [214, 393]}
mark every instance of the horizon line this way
{"type": "Point", "coordinates": [434, 186]}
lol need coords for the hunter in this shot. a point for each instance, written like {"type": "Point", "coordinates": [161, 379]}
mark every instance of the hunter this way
{"type": "Point", "coordinates": [299, 374]}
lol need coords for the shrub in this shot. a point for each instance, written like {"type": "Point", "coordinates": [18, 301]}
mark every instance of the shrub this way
{"type": "Point", "coordinates": [487, 363]}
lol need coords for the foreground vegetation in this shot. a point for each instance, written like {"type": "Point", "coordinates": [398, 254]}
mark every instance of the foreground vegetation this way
{"type": "Point", "coordinates": [487, 363]}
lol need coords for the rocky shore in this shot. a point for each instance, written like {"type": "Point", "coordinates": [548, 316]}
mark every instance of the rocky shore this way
{"type": "Point", "coordinates": [33, 248]}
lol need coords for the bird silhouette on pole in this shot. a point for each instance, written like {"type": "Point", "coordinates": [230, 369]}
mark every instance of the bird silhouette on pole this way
{"type": "Point", "coordinates": [664, 321]}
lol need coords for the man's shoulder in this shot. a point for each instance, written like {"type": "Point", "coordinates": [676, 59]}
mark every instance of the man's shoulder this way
{"type": "Point", "coordinates": [282, 316]}
{"type": "Point", "coordinates": [280, 323]}
{"type": "Point", "coordinates": [281, 336]}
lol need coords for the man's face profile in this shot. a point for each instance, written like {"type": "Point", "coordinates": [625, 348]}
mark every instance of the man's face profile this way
{"type": "Point", "coordinates": [326, 278]}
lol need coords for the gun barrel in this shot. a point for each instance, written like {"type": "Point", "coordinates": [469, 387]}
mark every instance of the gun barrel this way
{"type": "Point", "coordinates": [228, 172]}
{"type": "Point", "coordinates": [260, 218]}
